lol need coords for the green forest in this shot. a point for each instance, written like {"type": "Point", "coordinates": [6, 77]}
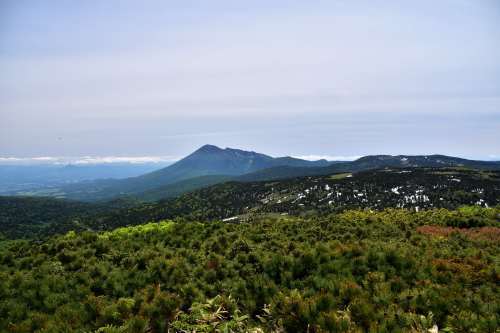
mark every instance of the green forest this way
{"type": "Point", "coordinates": [392, 270]}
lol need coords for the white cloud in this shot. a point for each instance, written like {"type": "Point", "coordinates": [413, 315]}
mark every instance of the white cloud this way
{"type": "Point", "coordinates": [86, 160]}
{"type": "Point", "coordinates": [10, 159]}
{"type": "Point", "coordinates": [125, 159]}
{"type": "Point", "coordinates": [45, 159]}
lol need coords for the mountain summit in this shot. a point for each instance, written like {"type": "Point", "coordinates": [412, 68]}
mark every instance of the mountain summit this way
{"type": "Point", "coordinates": [208, 149]}
{"type": "Point", "coordinates": [212, 160]}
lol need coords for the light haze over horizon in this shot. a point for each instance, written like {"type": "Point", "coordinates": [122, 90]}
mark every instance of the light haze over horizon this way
{"type": "Point", "coordinates": [301, 78]}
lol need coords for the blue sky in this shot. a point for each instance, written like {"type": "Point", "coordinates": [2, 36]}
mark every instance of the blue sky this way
{"type": "Point", "coordinates": [301, 78]}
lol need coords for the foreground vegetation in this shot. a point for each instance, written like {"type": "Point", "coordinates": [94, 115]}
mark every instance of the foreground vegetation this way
{"type": "Point", "coordinates": [386, 271]}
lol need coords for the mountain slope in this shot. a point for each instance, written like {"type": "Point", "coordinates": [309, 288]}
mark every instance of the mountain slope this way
{"type": "Point", "coordinates": [181, 187]}
{"type": "Point", "coordinates": [409, 188]}
{"type": "Point", "coordinates": [212, 160]}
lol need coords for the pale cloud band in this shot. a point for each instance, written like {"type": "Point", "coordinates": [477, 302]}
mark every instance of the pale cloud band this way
{"type": "Point", "coordinates": [93, 160]}
{"type": "Point", "coordinates": [87, 160]}
{"type": "Point", "coordinates": [99, 160]}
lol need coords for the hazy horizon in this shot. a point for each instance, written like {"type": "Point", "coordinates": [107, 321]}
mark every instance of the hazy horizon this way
{"type": "Point", "coordinates": [149, 81]}
{"type": "Point", "coordinates": [165, 160]}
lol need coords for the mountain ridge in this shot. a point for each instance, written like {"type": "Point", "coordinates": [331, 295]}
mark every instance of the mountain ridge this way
{"type": "Point", "coordinates": [371, 162]}
{"type": "Point", "coordinates": [210, 164]}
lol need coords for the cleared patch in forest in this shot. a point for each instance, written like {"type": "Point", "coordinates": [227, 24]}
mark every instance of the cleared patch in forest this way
{"type": "Point", "coordinates": [341, 175]}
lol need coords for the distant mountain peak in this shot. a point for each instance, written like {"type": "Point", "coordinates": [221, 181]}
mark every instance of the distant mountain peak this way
{"type": "Point", "coordinates": [209, 149]}
{"type": "Point", "coordinates": [212, 149]}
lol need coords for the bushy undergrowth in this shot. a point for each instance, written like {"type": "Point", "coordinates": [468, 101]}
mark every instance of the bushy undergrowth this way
{"type": "Point", "coordinates": [353, 272]}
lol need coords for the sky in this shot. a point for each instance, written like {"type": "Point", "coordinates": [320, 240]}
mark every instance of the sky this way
{"type": "Point", "coordinates": [335, 79]}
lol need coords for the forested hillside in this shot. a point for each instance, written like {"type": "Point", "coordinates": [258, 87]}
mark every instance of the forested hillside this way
{"type": "Point", "coordinates": [410, 188]}
{"type": "Point", "coordinates": [388, 271]}
{"type": "Point", "coordinates": [29, 217]}
{"type": "Point", "coordinates": [36, 217]}
{"type": "Point", "coordinates": [413, 188]}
